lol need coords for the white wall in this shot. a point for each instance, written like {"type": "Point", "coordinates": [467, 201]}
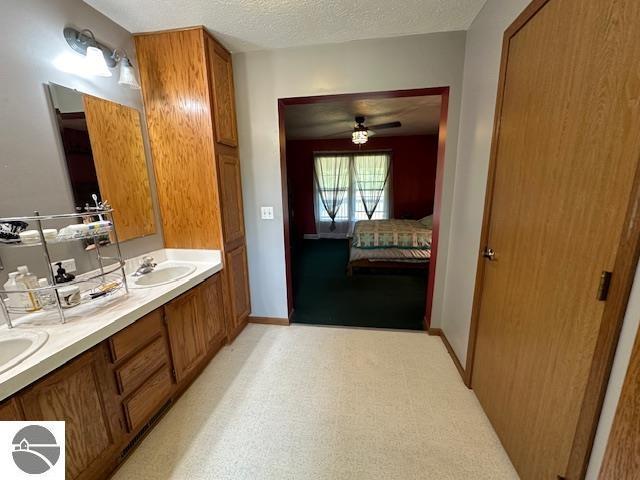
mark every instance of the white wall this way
{"type": "Point", "coordinates": [371, 65]}
{"type": "Point", "coordinates": [479, 90]}
{"type": "Point", "coordinates": [33, 171]}
{"type": "Point", "coordinates": [481, 70]}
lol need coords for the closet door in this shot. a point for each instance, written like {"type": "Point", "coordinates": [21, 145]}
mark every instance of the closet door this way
{"type": "Point", "coordinates": [221, 75]}
{"type": "Point", "coordinates": [565, 156]}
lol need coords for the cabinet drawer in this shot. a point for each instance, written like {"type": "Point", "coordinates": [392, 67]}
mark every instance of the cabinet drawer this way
{"type": "Point", "coordinates": [141, 366]}
{"type": "Point", "coordinates": [136, 335]}
{"type": "Point", "coordinates": [148, 398]}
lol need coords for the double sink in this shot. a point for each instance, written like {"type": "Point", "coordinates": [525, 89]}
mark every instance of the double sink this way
{"type": "Point", "coordinates": [17, 345]}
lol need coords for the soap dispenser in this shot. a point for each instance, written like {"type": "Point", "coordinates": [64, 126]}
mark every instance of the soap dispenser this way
{"type": "Point", "coordinates": [62, 276]}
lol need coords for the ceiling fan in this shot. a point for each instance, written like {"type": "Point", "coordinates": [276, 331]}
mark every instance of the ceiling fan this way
{"type": "Point", "coordinates": [361, 133]}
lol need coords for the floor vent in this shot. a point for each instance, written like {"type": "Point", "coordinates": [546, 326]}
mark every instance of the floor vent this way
{"type": "Point", "coordinates": [144, 430]}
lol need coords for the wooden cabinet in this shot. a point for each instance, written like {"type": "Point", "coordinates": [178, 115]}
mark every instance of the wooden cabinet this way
{"type": "Point", "coordinates": [236, 262]}
{"type": "Point", "coordinates": [195, 152]}
{"type": "Point", "coordinates": [221, 79]}
{"type": "Point", "coordinates": [231, 197]}
{"type": "Point", "coordinates": [212, 311]}
{"type": "Point", "coordinates": [184, 326]}
{"type": "Point", "coordinates": [81, 394]}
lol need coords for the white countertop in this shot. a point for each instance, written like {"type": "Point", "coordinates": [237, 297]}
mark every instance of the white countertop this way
{"type": "Point", "coordinates": [91, 323]}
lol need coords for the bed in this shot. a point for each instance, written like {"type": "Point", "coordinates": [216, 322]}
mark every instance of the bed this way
{"type": "Point", "coordinates": [390, 244]}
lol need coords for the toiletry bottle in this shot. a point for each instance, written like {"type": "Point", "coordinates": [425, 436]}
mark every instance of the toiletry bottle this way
{"type": "Point", "coordinates": [30, 281]}
{"type": "Point", "coordinates": [61, 274]}
{"type": "Point", "coordinates": [18, 298]}
{"type": "Point", "coordinates": [46, 296]}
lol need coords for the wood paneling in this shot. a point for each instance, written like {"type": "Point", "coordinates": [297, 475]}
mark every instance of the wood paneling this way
{"type": "Point", "coordinates": [188, 346]}
{"type": "Point", "coordinates": [79, 394]}
{"type": "Point", "coordinates": [558, 214]}
{"type": "Point", "coordinates": [121, 166]}
{"type": "Point", "coordinates": [212, 310]}
{"type": "Point", "coordinates": [221, 76]}
{"type": "Point", "coordinates": [10, 411]}
{"type": "Point", "coordinates": [236, 262]}
{"type": "Point", "coordinates": [173, 74]}
{"type": "Point", "coordinates": [231, 198]}
{"type": "Point", "coordinates": [148, 399]}
{"type": "Point", "coordinates": [135, 371]}
{"type": "Point", "coordinates": [136, 335]}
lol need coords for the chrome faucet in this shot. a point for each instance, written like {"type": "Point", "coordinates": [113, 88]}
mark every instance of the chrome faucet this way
{"type": "Point", "coordinates": [146, 266]}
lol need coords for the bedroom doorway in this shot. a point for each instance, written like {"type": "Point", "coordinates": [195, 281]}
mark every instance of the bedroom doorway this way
{"type": "Point", "coordinates": [334, 182]}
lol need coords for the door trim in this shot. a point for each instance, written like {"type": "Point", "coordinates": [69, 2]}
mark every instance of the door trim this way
{"type": "Point", "coordinates": [442, 138]}
{"type": "Point", "coordinates": [615, 308]}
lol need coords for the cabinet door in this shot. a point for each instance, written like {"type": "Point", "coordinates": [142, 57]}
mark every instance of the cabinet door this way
{"type": "Point", "coordinates": [236, 265]}
{"type": "Point", "coordinates": [221, 77]}
{"type": "Point", "coordinates": [212, 316]}
{"type": "Point", "coordinates": [188, 347]}
{"type": "Point", "coordinates": [80, 394]}
{"type": "Point", "coordinates": [231, 197]}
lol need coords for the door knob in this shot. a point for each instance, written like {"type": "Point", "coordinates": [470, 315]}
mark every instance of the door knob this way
{"type": "Point", "coordinates": [489, 253]}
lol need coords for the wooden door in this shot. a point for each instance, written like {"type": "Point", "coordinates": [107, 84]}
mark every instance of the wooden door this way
{"type": "Point", "coordinates": [81, 394]}
{"type": "Point", "coordinates": [564, 159]}
{"type": "Point", "coordinates": [121, 165]}
{"type": "Point", "coordinates": [221, 79]}
{"type": "Point", "coordinates": [212, 310]}
{"type": "Point", "coordinates": [10, 411]}
{"type": "Point", "coordinates": [236, 266]}
{"type": "Point", "coordinates": [231, 196]}
{"type": "Point", "coordinates": [188, 346]}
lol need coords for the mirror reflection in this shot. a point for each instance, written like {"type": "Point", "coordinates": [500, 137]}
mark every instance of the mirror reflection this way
{"type": "Point", "coordinates": [105, 157]}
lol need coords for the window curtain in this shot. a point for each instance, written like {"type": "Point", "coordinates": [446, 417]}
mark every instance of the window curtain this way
{"type": "Point", "coordinates": [332, 185]}
{"type": "Point", "coordinates": [371, 175]}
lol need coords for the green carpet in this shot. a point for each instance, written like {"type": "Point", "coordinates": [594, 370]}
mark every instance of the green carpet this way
{"type": "Point", "coordinates": [325, 295]}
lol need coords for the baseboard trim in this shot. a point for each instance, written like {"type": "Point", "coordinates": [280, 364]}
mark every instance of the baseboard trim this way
{"type": "Point", "coordinates": [269, 320]}
{"type": "Point", "coordinates": [437, 332]}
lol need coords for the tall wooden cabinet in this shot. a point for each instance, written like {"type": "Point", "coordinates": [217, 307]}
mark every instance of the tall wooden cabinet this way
{"type": "Point", "coordinates": [187, 86]}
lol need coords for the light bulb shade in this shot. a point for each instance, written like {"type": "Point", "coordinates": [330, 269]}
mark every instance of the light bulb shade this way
{"type": "Point", "coordinates": [128, 75]}
{"type": "Point", "coordinates": [96, 64]}
{"type": "Point", "coordinates": [359, 137]}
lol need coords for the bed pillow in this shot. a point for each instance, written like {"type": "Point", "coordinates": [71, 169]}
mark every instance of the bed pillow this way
{"type": "Point", "coordinates": [427, 221]}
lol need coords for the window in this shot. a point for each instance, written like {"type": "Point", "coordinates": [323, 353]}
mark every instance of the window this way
{"type": "Point", "coordinates": [349, 185]}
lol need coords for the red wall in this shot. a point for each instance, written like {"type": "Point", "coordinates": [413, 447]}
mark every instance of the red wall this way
{"type": "Point", "coordinates": [413, 163]}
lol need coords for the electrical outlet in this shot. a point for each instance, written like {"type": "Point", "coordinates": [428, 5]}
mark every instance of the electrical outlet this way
{"type": "Point", "coordinates": [266, 213]}
{"type": "Point", "coordinates": [69, 265]}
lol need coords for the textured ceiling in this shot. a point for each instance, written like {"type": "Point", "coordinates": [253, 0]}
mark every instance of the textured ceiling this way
{"type": "Point", "coordinates": [244, 25]}
{"type": "Point", "coordinates": [418, 115]}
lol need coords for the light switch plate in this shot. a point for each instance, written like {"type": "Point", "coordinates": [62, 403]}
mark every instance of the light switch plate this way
{"type": "Point", "coordinates": [69, 265]}
{"type": "Point", "coordinates": [266, 213]}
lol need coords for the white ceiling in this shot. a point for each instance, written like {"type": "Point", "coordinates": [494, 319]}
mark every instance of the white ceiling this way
{"type": "Point", "coordinates": [418, 115]}
{"type": "Point", "coordinates": [244, 25]}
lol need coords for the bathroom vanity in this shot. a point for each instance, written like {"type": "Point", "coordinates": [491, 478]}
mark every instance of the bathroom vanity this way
{"type": "Point", "coordinates": [112, 370]}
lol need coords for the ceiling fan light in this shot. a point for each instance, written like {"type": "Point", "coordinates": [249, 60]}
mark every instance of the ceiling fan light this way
{"type": "Point", "coordinates": [360, 137]}
{"type": "Point", "coordinates": [96, 64]}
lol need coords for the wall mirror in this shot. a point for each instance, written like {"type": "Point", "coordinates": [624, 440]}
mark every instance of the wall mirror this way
{"type": "Point", "coordinates": [105, 156]}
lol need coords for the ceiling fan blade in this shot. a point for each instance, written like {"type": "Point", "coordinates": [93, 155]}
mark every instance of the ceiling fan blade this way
{"type": "Point", "coordinates": [385, 125]}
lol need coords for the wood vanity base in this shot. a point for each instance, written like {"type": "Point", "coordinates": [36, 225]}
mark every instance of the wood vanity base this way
{"type": "Point", "coordinates": [113, 394]}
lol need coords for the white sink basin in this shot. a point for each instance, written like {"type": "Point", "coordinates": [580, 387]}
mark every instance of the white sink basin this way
{"type": "Point", "coordinates": [16, 345]}
{"type": "Point", "coordinates": [162, 275]}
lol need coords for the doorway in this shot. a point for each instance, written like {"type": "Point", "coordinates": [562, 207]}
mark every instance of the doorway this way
{"type": "Point", "coordinates": [326, 282]}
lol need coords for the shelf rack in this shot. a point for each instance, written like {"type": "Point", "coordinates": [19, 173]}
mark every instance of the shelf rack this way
{"type": "Point", "coordinates": [111, 275]}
